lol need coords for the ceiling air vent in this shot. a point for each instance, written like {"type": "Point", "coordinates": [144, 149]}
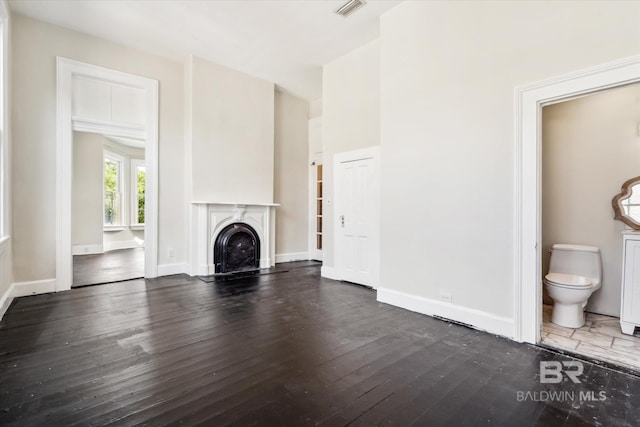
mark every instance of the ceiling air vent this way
{"type": "Point", "coordinates": [349, 7]}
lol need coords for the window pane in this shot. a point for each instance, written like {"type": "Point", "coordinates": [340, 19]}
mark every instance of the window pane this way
{"type": "Point", "coordinates": [140, 184]}
{"type": "Point", "coordinates": [111, 192]}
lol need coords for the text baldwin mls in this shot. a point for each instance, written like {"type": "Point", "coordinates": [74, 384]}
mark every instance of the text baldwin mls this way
{"type": "Point", "coordinates": [560, 396]}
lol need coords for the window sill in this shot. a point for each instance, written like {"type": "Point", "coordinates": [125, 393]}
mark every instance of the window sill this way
{"type": "Point", "coordinates": [108, 228]}
{"type": "Point", "coordinates": [4, 243]}
{"type": "Point", "coordinates": [137, 227]}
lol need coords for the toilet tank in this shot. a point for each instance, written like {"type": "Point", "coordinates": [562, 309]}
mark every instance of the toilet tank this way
{"type": "Point", "coordinates": [576, 259]}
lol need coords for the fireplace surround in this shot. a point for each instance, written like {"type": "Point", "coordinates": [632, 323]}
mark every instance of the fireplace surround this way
{"type": "Point", "coordinates": [210, 219]}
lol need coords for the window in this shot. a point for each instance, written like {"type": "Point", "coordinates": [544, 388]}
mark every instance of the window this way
{"type": "Point", "coordinates": [137, 191]}
{"type": "Point", "coordinates": [113, 197]}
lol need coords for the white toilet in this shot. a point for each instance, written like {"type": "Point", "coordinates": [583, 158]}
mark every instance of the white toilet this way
{"type": "Point", "coordinates": [575, 272]}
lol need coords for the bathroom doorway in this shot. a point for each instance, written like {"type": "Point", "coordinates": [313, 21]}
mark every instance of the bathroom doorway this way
{"type": "Point", "coordinates": [589, 147]}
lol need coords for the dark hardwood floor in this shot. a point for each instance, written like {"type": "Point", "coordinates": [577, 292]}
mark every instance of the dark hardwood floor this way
{"type": "Point", "coordinates": [280, 349]}
{"type": "Point", "coordinates": [111, 266]}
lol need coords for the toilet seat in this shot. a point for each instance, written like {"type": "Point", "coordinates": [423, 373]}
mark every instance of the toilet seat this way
{"type": "Point", "coordinates": [568, 281]}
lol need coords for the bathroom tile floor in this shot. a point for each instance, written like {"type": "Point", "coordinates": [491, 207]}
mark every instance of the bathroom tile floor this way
{"type": "Point", "coordinates": [600, 338]}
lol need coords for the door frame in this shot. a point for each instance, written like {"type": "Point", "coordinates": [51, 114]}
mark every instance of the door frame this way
{"type": "Point", "coordinates": [350, 156]}
{"type": "Point", "coordinates": [66, 70]}
{"type": "Point", "coordinates": [529, 100]}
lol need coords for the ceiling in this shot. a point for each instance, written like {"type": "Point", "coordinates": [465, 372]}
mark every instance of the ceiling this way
{"type": "Point", "coordinates": [285, 42]}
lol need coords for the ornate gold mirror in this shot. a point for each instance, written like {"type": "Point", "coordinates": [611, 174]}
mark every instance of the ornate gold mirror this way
{"type": "Point", "coordinates": [626, 204]}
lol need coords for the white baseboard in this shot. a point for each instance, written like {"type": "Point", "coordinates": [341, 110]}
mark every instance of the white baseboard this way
{"type": "Point", "coordinates": [293, 256]}
{"type": "Point", "coordinates": [23, 289]}
{"type": "Point", "coordinates": [478, 319]}
{"type": "Point", "coordinates": [329, 273]}
{"type": "Point", "coordinates": [169, 269]}
{"type": "Point", "coordinates": [6, 300]}
{"type": "Point", "coordinates": [123, 244]}
{"type": "Point", "coordinates": [87, 249]}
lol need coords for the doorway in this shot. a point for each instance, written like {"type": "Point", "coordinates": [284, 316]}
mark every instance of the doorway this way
{"type": "Point", "coordinates": [589, 148]}
{"type": "Point", "coordinates": [529, 102]}
{"type": "Point", "coordinates": [357, 221]}
{"type": "Point", "coordinates": [103, 101]}
{"type": "Point", "coordinates": [108, 213]}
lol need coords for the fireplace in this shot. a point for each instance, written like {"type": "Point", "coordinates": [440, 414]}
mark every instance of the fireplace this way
{"type": "Point", "coordinates": [240, 222]}
{"type": "Point", "coordinates": [237, 248]}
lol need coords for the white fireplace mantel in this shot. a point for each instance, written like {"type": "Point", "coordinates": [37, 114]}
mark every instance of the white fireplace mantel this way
{"type": "Point", "coordinates": [209, 218]}
{"type": "Point", "coordinates": [234, 203]}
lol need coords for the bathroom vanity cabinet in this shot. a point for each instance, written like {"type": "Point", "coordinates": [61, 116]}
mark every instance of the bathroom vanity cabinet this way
{"type": "Point", "coordinates": [630, 305]}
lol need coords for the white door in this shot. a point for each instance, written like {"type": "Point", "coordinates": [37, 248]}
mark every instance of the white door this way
{"type": "Point", "coordinates": [356, 217]}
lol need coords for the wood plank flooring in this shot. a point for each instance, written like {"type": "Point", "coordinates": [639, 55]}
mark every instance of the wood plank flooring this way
{"type": "Point", "coordinates": [282, 349]}
{"type": "Point", "coordinates": [111, 266]}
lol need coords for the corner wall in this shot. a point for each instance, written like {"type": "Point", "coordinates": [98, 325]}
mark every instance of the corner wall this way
{"type": "Point", "coordinates": [350, 120]}
{"type": "Point", "coordinates": [36, 44]}
{"type": "Point", "coordinates": [290, 177]}
{"type": "Point", "coordinates": [448, 73]}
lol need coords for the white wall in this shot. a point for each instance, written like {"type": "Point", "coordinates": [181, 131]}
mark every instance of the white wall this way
{"type": "Point", "coordinates": [87, 214]}
{"type": "Point", "coordinates": [590, 146]}
{"type": "Point", "coordinates": [448, 72]}
{"type": "Point", "coordinates": [351, 119]}
{"type": "Point", "coordinates": [231, 130]}
{"type": "Point", "coordinates": [290, 179]}
{"type": "Point", "coordinates": [315, 108]}
{"type": "Point", "coordinates": [34, 129]}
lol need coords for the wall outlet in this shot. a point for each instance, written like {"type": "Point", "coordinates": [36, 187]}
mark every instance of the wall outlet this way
{"type": "Point", "coordinates": [171, 253]}
{"type": "Point", "coordinates": [445, 296]}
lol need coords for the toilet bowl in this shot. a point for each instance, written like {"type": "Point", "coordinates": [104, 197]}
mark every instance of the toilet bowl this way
{"type": "Point", "coordinates": [575, 273]}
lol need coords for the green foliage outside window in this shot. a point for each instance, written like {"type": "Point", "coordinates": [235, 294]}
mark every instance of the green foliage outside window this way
{"type": "Point", "coordinates": [141, 188]}
{"type": "Point", "coordinates": [110, 192]}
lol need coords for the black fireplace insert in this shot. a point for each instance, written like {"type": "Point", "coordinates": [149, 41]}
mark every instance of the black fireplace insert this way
{"type": "Point", "coordinates": [237, 248]}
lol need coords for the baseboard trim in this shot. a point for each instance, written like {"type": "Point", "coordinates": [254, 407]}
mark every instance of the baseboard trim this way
{"type": "Point", "coordinates": [87, 249]}
{"type": "Point", "coordinates": [475, 318]}
{"type": "Point", "coordinates": [23, 289]}
{"type": "Point", "coordinates": [6, 300]}
{"type": "Point", "coordinates": [329, 273]}
{"type": "Point", "coordinates": [124, 244]}
{"type": "Point", "coordinates": [292, 256]}
{"type": "Point", "coordinates": [170, 269]}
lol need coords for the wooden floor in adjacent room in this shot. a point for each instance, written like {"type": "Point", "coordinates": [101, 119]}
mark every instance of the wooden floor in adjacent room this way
{"type": "Point", "coordinates": [279, 349]}
{"type": "Point", "coordinates": [111, 266]}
